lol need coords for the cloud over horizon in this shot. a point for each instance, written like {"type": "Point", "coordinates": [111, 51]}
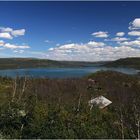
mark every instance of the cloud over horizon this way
{"type": "Point", "coordinates": [91, 51]}
{"type": "Point", "coordinates": [102, 47]}
{"type": "Point", "coordinates": [100, 51]}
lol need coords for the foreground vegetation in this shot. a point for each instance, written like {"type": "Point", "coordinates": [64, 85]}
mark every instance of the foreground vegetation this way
{"type": "Point", "coordinates": [58, 108]}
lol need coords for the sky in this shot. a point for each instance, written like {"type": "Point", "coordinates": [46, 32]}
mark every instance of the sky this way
{"type": "Point", "coordinates": [77, 31]}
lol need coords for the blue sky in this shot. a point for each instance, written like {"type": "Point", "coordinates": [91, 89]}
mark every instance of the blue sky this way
{"type": "Point", "coordinates": [80, 31]}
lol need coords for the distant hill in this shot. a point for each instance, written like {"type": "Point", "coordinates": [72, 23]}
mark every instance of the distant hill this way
{"type": "Point", "coordinates": [132, 62]}
{"type": "Point", "coordinates": [19, 63]}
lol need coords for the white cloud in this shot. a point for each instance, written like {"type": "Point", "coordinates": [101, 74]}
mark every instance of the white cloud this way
{"type": "Point", "coordinates": [100, 34]}
{"type": "Point", "coordinates": [12, 46]}
{"type": "Point", "coordinates": [74, 46]}
{"type": "Point", "coordinates": [68, 46]}
{"type": "Point", "coordinates": [19, 32]}
{"type": "Point", "coordinates": [92, 52]}
{"type": "Point", "coordinates": [11, 32]}
{"type": "Point", "coordinates": [7, 29]}
{"type": "Point", "coordinates": [134, 33]}
{"type": "Point", "coordinates": [5, 35]}
{"type": "Point", "coordinates": [119, 39]}
{"type": "Point", "coordinates": [120, 34]}
{"type": "Point", "coordinates": [135, 43]}
{"type": "Point", "coordinates": [135, 24]}
{"type": "Point", "coordinates": [96, 44]}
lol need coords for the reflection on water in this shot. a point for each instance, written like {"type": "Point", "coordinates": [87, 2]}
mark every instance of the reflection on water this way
{"type": "Point", "coordinates": [62, 72]}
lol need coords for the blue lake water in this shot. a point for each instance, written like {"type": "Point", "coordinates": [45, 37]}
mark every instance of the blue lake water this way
{"type": "Point", "coordinates": [61, 72]}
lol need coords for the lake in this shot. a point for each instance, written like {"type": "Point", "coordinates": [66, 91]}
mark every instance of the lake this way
{"type": "Point", "coordinates": [61, 72]}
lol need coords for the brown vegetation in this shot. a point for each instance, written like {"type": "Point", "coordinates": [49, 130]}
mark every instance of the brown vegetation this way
{"type": "Point", "coordinates": [58, 108]}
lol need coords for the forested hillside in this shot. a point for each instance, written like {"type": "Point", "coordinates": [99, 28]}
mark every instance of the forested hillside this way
{"type": "Point", "coordinates": [19, 63]}
{"type": "Point", "coordinates": [133, 62]}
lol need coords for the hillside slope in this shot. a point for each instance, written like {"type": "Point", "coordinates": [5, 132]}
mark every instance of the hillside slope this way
{"type": "Point", "coordinates": [125, 62]}
{"type": "Point", "coordinates": [18, 63]}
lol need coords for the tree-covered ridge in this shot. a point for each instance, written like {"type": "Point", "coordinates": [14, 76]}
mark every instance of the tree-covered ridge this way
{"type": "Point", "coordinates": [58, 108]}
{"type": "Point", "coordinates": [19, 63]}
{"type": "Point", "coordinates": [133, 62]}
